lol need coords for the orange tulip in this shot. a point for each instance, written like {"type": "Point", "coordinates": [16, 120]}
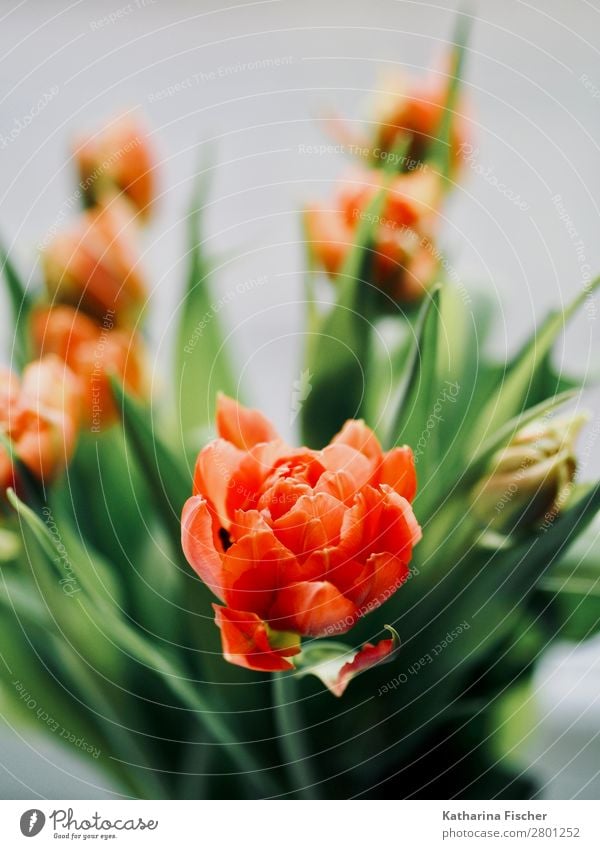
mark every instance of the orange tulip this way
{"type": "Point", "coordinates": [40, 415]}
{"type": "Point", "coordinates": [118, 157]}
{"type": "Point", "coordinates": [296, 542]}
{"type": "Point", "coordinates": [93, 352]}
{"type": "Point", "coordinates": [404, 112]}
{"type": "Point", "coordinates": [405, 109]}
{"type": "Point", "coordinates": [405, 260]}
{"type": "Point", "coordinates": [94, 265]}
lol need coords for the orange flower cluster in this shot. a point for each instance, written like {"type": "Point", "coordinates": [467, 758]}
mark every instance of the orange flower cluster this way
{"type": "Point", "coordinates": [405, 258]}
{"type": "Point", "coordinates": [95, 289]}
{"type": "Point", "coordinates": [85, 332]}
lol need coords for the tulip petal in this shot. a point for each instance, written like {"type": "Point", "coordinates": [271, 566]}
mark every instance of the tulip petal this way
{"type": "Point", "coordinates": [380, 521]}
{"type": "Point", "coordinates": [197, 541]}
{"type": "Point", "coordinates": [312, 608]}
{"type": "Point", "coordinates": [251, 570]}
{"type": "Point", "coordinates": [241, 426]}
{"type": "Point", "coordinates": [312, 524]}
{"type": "Point", "coordinates": [336, 664]}
{"type": "Point", "coordinates": [339, 457]}
{"type": "Point", "coordinates": [329, 236]}
{"type": "Point", "coordinates": [246, 641]}
{"type": "Point", "coordinates": [388, 573]}
{"type": "Point", "coordinates": [370, 655]}
{"type": "Point", "coordinates": [215, 475]}
{"type": "Point", "coordinates": [359, 436]}
{"type": "Point", "coordinates": [397, 470]}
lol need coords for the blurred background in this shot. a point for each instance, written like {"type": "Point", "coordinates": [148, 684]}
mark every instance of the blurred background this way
{"type": "Point", "coordinates": [242, 91]}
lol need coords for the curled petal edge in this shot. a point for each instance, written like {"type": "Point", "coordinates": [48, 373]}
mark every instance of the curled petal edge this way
{"type": "Point", "coordinates": [335, 664]}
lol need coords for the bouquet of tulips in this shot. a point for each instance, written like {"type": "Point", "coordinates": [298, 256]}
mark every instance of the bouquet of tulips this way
{"type": "Point", "coordinates": [210, 611]}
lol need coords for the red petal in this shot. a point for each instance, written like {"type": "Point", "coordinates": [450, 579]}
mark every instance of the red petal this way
{"type": "Point", "coordinates": [388, 573]}
{"type": "Point", "coordinates": [398, 471]}
{"type": "Point", "coordinates": [312, 524]}
{"type": "Point", "coordinates": [216, 467]}
{"type": "Point", "coordinates": [242, 427]}
{"type": "Point", "coordinates": [380, 521]}
{"type": "Point", "coordinates": [198, 544]}
{"type": "Point", "coordinates": [329, 236]}
{"type": "Point", "coordinates": [251, 571]}
{"type": "Point", "coordinates": [245, 641]}
{"type": "Point", "coordinates": [357, 435]}
{"type": "Point", "coordinates": [343, 458]}
{"type": "Point", "coordinates": [312, 608]}
{"type": "Point", "coordinates": [367, 657]}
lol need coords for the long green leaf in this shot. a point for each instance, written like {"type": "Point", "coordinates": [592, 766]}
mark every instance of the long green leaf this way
{"type": "Point", "coordinates": [168, 480]}
{"type": "Point", "coordinates": [135, 646]}
{"type": "Point", "coordinates": [517, 390]}
{"type": "Point", "coordinates": [338, 354]}
{"type": "Point", "coordinates": [441, 152]}
{"type": "Point", "coordinates": [202, 367]}
{"type": "Point", "coordinates": [20, 303]}
{"type": "Point", "coordinates": [421, 385]}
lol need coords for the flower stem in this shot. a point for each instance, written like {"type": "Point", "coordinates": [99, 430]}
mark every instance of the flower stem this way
{"type": "Point", "coordinates": [288, 720]}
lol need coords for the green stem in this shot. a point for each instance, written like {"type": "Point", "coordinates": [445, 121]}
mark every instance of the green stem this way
{"type": "Point", "coordinates": [288, 721]}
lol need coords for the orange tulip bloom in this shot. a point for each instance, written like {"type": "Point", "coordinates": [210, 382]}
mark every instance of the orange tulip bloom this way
{"type": "Point", "coordinates": [404, 108]}
{"type": "Point", "coordinates": [40, 415]}
{"type": "Point", "coordinates": [92, 352]}
{"type": "Point", "coordinates": [297, 542]}
{"type": "Point", "coordinates": [405, 259]}
{"type": "Point", "coordinates": [118, 157]}
{"type": "Point", "coordinates": [94, 265]}
{"type": "Point", "coordinates": [404, 111]}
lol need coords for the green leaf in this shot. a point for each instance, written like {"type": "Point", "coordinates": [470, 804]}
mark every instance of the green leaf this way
{"type": "Point", "coordinates": [519, 387]}
{"type": "Point", "coordinates": [573, 586]}
{"type": "Point", "coordinates": [202, 367]}
{"type": "Point", "coordinates": [421, 387]}
{"type": "Point", "coordinates": [441, 151]}
{"type": "Point", "coordinates": [168, 480]}
{"type": "Point", "coordinates": [99, 623]}
{"type": "Point", "coordinates": [20, 303]}
{"type": "Point", "coordinates": [338, 355]}
{"type": "Point", "coordinates": [292, 734]}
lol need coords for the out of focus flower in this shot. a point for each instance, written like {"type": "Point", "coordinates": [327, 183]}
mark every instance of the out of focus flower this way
{"type": "Point", "coordinates": [297, 542]}
{"type": "Point", "coordinates": [530, 481]}
{"type": "Point", "coordinates": [94, 265]}
{"type": "Point", "coordinates": [93, 352]}
{"type": "Point", "coordinates": [408, 115]}
{"type": "Point", "coordinates": [118, 157]}
{"type": "Point", "coordinates": [405, 258]}
{"type": "Point", "coordinates": [40, 416]}
{"type": "Point", "coordinates": [405, 109]}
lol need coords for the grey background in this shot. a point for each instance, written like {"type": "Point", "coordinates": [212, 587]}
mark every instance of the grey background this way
{"type": "Point", "coordinates": [535, 126]}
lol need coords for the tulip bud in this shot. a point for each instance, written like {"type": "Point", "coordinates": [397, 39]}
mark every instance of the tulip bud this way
{"type": "Point", "coordinates": [93, 352]}
{"type": "Point", "coordinates": [118, 158]}
{"type": "Point", "coordinates": [94, 265]}
{"type": "Point", "coordinates": [531, 479]}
